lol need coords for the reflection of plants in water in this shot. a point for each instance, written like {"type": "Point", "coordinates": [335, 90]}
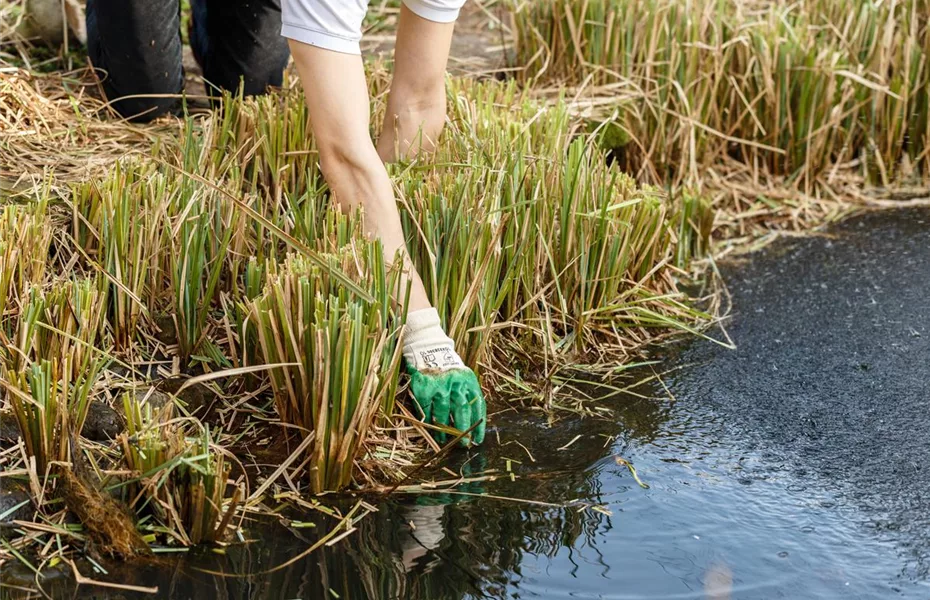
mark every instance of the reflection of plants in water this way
{"type": "Point", "coordinates": [480, 545]}
{"type": "Point", "coordinates": [476, 550]}
{"type": "Point", "coordinates": [482, 542]}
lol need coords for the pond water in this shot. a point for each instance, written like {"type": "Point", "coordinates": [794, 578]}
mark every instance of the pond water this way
{"type": "Point", "coordinates": [794, 466]}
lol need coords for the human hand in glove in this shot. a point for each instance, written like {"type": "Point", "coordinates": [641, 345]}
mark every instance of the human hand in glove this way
{"type": "Point", "coordinates": [445, 390]}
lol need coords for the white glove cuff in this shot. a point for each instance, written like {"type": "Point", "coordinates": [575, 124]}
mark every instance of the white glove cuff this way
{"type": "Point", "coordinates": [426, 345]}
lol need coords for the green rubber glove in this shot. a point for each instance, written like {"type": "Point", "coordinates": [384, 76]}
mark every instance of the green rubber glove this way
{"type": "Point", "coordinates": [455, 393]}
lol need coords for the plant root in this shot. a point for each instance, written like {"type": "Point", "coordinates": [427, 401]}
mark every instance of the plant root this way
{"type": "Point", "coordinates": [105, 521]}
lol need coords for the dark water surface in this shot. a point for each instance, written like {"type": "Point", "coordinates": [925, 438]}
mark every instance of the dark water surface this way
{"type": "Point", "coordinates": [795, 466]}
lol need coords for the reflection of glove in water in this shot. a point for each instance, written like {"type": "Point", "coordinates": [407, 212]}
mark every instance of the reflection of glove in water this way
{"type": "Point", "coordinates": [426, 532]}
{"type": "Point", "coordinates": [446, 391]}
{"type": "Point", "coordinates": [426, 514]}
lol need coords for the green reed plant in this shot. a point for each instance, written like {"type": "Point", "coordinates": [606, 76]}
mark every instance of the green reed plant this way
{"type": "Point", "coordinates": [695, 222]}
{"type": "Point", "coordinates": [264, 142]}
{"type": "Point", "coordinates": [517, 223]}
{"type": "Point", "coordinates": [473, 217]}
{"type": "Point", "coordinates": [198, 228]}
{"type": "Point", "coordinates": [344, 351]}
{"type": "Point", "coordinates": [117, 224]}
{"type": "Point", "coordinates": [50, 406]}
{"type": "Point", "coordinates": [798, 93]}
{"type": "Point", "coordinates": [243, 340]}
{"type": "Point", "coordinates": [791, 88]}
{"type": "Point", "coordinates": [66, 320]}
{"type": "Point", "coordinates": [455, 250]}
{"type": "Point", "coordinates": [646, 58]}
{"type": "Point", "coordinates": [608, 240]}
{"type": "Point", "coordinates": [260, 147]}
{"type": "Point", "coordinates": [213, 229]}
{"type": "Point", "coordinates": [25, 237]}
{"type": "Point", "coordinates": [181, 481]}
{"type": "Point", "coordinates": [194, 272]}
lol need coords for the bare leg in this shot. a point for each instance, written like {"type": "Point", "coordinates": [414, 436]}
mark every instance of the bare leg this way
{"type": "Point", "coordinates": [416, 107]}
{"type": "Point", "coordinates": [337, 97]}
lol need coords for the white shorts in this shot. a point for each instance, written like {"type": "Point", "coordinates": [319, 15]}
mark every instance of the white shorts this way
{"type": "Point", "coordinates": [337, 24]}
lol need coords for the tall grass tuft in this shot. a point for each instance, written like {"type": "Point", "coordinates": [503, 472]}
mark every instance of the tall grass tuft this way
{"type": "Point", "coordinates": [198, 228]}
{"type": "Point", "coordinates": [117, 224]}
{"type": "Point", "coordinates": [793, 89]}
{"type": "Point", "coordinates": [25, 237]}
{"type": "Point", "coordinates": [608, 239]}
{"type": "Point", "coordinates": [50, 406]}
{"type": "Point", "coordinates": [65, 321]}
{"type": "Point", "coordinates": [264, 143]}
{"type": "Point", "coordinates": [517, 223]}
{"type": "Point", "coordinates": [344, 349]}
{"type": "Point", "coordinates": [181, 481]}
